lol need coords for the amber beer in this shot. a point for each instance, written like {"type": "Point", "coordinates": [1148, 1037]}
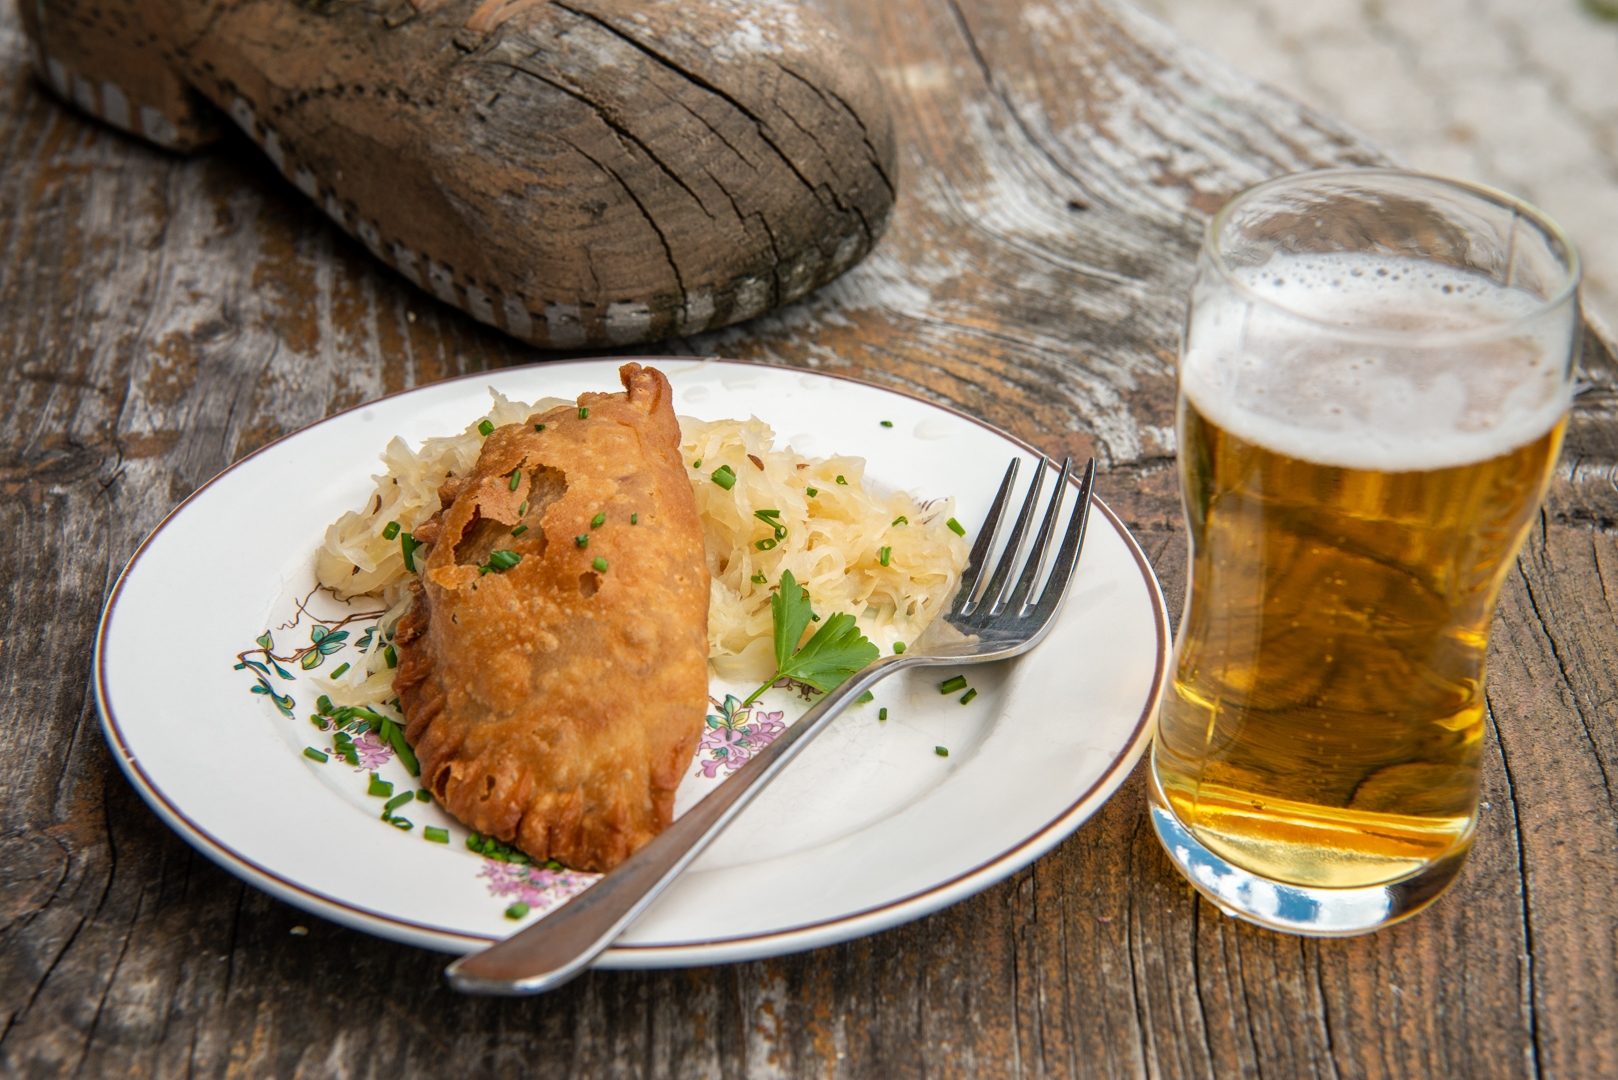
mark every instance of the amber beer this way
{"type": "Point", "coordinates": [1326, 717]}
{"type": "Point", "coordinates": [1350, 531]}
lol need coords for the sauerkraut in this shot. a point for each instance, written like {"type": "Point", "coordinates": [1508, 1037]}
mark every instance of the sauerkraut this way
{"type": "Point", "coordinates": [891, 562]}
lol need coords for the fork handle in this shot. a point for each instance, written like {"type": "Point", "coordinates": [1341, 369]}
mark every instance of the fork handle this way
{"type": "Point", "coordinates": [563, 943]}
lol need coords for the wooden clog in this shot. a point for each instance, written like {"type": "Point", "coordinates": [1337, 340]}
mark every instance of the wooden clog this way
{"type": "Point", "coordinates": [575, 172]}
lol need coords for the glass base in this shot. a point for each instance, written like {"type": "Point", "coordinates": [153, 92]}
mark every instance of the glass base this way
{"type": "Point", "coordinates": [1298, 909]}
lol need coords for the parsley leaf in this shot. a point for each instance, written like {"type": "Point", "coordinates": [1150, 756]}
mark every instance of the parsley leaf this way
{"type": "Point", "coordinates": [791, 611]}
{"type": "Point", "coordinates": [837, 650]}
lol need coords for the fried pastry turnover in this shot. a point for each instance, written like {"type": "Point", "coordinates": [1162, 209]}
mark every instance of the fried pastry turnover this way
{"type": "Point", "coordinates": [553, 665]}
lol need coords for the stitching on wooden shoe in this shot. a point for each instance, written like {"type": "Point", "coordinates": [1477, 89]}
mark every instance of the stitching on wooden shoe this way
{"type": "Point", "coordinates": [564, 328]}
{"type": "Point", "coordinates": [441, 277]}
{"type": "Point", "coordinates": [58, 75]}
{"type": "Point", "coordinates": [110, 102]}
{"type": "Point", "coordinates": [563, 325]}
{"type": "Point", "coordinates": [114, 105]}
{"type": "Point", "coordinates": [157, 127]}
{"type": "Point", "coordinates": [628, 321]}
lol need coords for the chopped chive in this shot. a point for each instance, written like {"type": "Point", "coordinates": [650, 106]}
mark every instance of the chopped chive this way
{"type": "Point", "coordinates": [725, 477]}
{"type": "Point", "coordinates": [317, 721]}
{"type": "Point", "coordinates": [552, 864]}
{"type": "Point", "coordinates": [323, 705]}
{"type": "Point", "coordinates": [503, 560]}
{"type": "Point", "coordinates": [398, 801]}
{"type": "Point", "coordinates": [865, 697]}
{"type": "Point", "coordinates": [766, 544]}
{"type": "Point", "coordinates": [956, 527]}
{"type": "Point", "coordinates": [582, 540]}
{"type": "Point", "coordinates": [882, 713]}
{"type": "Point", "coordinates": [519, 530]}
{"type": "Point", "coordinates": [949, 686]}
{"type": "Point", "coordinates": [884, 555]}
{"type": "Point", "coordinates": [400, 823]}
{"type": "Point", "coordinates": [697, 464]}
{"type": "Point", "coordinates": [485, 429]}
{"type": "Point", "coordinates": [517, 857]}
{"type": "Point", "coordinates": [408, 545]}
{"type": "Point", "coordinates": [598, 521]}
{"type": "Point", "coordinates": [390, 530]}
{"type": "Point", "coordinates": [634, 519]}
{"type": "Point", "coordinates": [584, 414]}
{"type": "Point", "coordinates": [941, 751]}
{"type": "Point", "coordinates": [315, 755]}
{"type": "Point", "coordinates": [811, 492]}
{"type": "Point", "coordinates": [407, 757]}
{"type": "Point", "coordinates": [474, 842]}
{"type": "Point", "coordinates": [340, 669]}
{"type": "Point", "coordinates": [966, 698]}
{"type": "Point", "coordinates": [539, 427]}
{"type": "Point", "coordinates": [887, 423]}
{"type": "Point", "coordinates": [599, 563]}
{"type": "Point", "coordinates": [381, 788]}
{"type": "Point", "coordinates": [759, 578]}
{"type": "Point", "coordinates": [901, 520]}
{"type": "Point", "coordinates": [516, 478]}
{"type": "Point", "coordinates": [522, 509]}
{"type": "Point", "coordinates": [772, 518]}
{"type": "Point", "coordinates": [814, 618]}
{"type": "Point", "coordinates": [435, 834]}
{"type": "Point", "coordinates": [519, 909]}
{"type": "Point", "coordinates": [390, 656]}
{"type": "Point", "coordinates": [423, 795]}
{"type": "Point", "coordinates": [898, 648]}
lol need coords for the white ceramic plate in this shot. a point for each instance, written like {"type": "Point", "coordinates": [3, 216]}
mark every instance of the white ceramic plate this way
{"type": "Point", "coordinates": [869, 828]}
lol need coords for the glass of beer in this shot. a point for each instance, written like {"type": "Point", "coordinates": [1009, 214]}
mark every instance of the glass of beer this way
{"type": "Point", "coordinates": [1373, 387]}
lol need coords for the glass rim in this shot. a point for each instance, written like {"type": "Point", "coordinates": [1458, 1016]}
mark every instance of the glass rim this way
{"type": "Point", "coordinates": [1568, 287]}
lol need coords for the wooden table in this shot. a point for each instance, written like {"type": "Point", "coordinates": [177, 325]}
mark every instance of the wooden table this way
{"type": "Point", "coordinates": [160, 317]}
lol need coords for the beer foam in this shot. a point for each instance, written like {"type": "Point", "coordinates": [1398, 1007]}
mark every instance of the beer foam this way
{"type": "Point", "coordinates": [1279, 377]}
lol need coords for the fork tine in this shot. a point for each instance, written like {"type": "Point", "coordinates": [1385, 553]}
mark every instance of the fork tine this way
{"type": "Point", "coordinates": [987, 534]}
{"type": "Point", "coordinates": [1072, 543]}
{"type": "Point", "coordinates": [1000, 584]}
{"type": "Point", "coordinates": [1036, 557]}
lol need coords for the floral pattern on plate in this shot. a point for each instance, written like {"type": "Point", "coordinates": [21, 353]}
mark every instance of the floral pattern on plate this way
{"type": "Point", "coordinates": [541, 888]}
{"type": "Point", "coordinates": [731, 738]}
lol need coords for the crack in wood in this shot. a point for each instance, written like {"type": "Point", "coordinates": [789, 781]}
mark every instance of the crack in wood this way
{"type": "Point", "coordinates": [1562, 667]}
{"type": "Point", "coordinates": [1528, 995]}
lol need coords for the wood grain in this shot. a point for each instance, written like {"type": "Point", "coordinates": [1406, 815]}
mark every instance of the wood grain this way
{"type": "Point", "coordinates": [160, 317]}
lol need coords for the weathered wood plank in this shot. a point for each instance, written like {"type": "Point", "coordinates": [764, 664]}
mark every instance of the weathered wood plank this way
{"type": "Point", "coordinates": [160, 317]}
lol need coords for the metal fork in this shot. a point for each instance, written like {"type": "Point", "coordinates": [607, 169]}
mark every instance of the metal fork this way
{"type": "Point", "coordinates": [997, 619]}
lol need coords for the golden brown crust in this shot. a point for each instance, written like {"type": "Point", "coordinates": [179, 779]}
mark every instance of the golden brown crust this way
{"type": "Point", "coordinates": [555, 705]}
